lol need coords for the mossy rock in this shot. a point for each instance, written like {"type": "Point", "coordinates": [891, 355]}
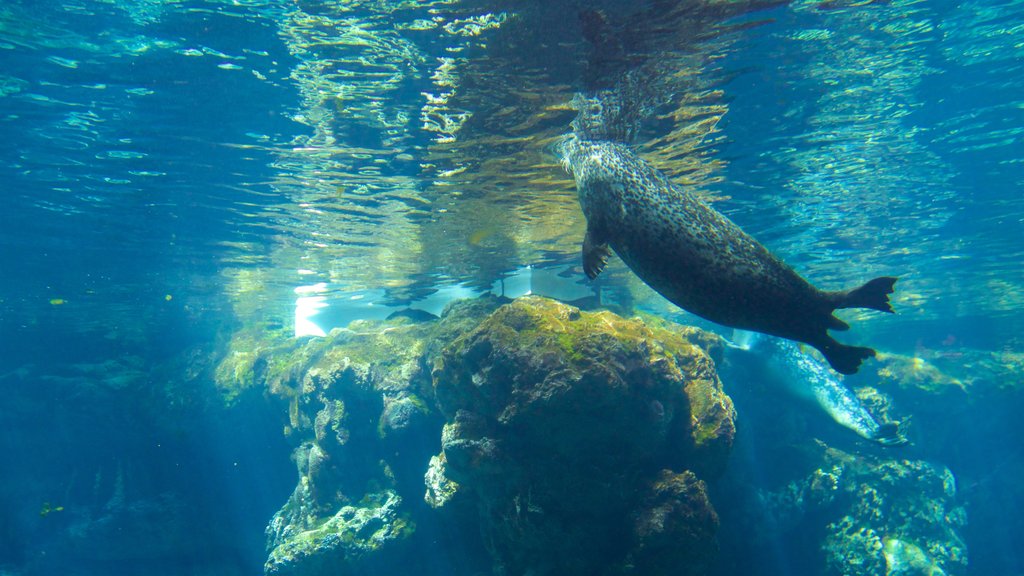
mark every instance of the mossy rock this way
{"type": "Point", "coordinates": [535, 357]}
{"type": "Point", "coordinates": [558, 423]}
{"type": "Point", "coordinates": [357, 539]}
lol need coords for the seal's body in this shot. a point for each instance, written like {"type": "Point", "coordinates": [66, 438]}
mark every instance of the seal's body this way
{"type": "Point", "coordinates": [699, 259]}
{"type": "Point", "coordinates": [809, 379]}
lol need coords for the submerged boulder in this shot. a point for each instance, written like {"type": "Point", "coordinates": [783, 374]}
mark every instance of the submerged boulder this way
{"type": "Point", "coordinates": [558, 441]}
{"type": "Point", "coordinates": [354, 399]}
{"type": "Point", "coordinates": [580, 436]}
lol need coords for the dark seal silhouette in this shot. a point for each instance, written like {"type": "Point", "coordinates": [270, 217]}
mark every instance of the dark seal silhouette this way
{"type": "Point", "coordinates": [699, 259]}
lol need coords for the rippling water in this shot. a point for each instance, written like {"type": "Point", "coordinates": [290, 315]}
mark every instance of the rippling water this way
{"type": "Point", "coordinates": [222, 154]}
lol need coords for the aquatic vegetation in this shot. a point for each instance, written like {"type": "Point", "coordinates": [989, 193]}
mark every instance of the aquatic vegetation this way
{"type": "Point", "coordinates": [253, 358]}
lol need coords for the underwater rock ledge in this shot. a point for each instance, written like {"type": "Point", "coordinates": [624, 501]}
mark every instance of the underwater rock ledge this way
{"type": "Point", "coordinates": [570, 442]}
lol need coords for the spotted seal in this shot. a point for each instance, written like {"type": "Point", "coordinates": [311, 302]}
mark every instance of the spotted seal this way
{"type": "Point", "coordinates": [699, 259]}
{"type": "Point", "coordinates": [807, 378]}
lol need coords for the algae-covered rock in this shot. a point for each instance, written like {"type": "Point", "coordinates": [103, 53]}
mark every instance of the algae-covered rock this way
{"type": "Point", "coordinates": [440, 488]}
{"type": "Point", "coordinates": [897, 518]}
{"type": "Point", "coordinates": [576, 442]}
{"type": "Point", "coordinates": [359, 406]}
{"type": "Point", "coordinates": [856, 515]}
{"type": "Point", "coordinates": [805, 496]}
{"type": "Point", "coordinates": [537, 356]}
{"type": "Point", "coordinates": [356, 539]}
{"type": "Point", "coordinates": [353, 393]}
{"type": "Point", "coordinates": [561, 421]}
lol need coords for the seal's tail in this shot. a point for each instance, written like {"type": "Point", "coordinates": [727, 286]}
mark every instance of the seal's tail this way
{"type": "Point", "coordinates": [846, 359]}
{"type": "Point", "coordinates": [874, 294]}
{"type": "Point", "coordinates": [842, 358]}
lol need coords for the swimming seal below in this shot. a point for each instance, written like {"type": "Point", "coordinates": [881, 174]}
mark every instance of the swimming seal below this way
{"type": "Point", "coordinates": [783, 362]}
{"type": "Point", "coordinates": [700, 260]}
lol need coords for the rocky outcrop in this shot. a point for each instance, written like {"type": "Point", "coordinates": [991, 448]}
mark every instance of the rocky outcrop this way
{"type": "Point", "coordinates": [361, 538]}
{"type": "Point", "coordinates": [965, 407]}
{"type": "Point", "coordinates": [358, 406]}
{"type": "Point", "coordinates": [854, 515]}
{"type": "Point", "coordinates": [805, 494]}
{"type": "Point", "coordinates": [576, 442]}
{"type": "Point", "coordinates": [895, 518]}
{"type": "Point", "coordinates": [580, 437]}
{"type": "Point", "coordinates": [352, 399]}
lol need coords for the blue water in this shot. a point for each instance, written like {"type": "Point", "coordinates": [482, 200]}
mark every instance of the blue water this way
{"type": "Point", "coordinates": [173, 170]}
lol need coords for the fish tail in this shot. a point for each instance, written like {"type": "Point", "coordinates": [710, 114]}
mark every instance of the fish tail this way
{"type": "Point", "coordinates": [874, 294]}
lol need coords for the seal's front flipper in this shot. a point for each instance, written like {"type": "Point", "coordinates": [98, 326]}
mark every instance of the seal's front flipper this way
{"type": "Point", "coordinates": [843, 359]}
{"type": "Point", "coordinates": [595, 255]}
{"type": "Point", "coordinates": [874, 294]}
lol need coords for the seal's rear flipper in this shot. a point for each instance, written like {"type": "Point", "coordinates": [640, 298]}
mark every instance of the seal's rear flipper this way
{"type": "Point", "coordinates": [888, 434]}
{"type": "Point", "coordinates": [844, 359]}
{"type": "Point", "coordinates": [874, 295]}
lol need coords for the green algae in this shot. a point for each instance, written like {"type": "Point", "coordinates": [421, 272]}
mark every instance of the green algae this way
{"type": "Point", "coordinates": [253, 359]}
{"type": "Point", "coordinates": [549, 329]}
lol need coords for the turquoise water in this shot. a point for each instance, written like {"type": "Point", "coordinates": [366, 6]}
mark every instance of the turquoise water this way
{"type": "Point", "coordinates": [176, 172]}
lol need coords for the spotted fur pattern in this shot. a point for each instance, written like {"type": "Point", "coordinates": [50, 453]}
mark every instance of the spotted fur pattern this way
{"type": "Point", "coordinates": [693, 255]}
